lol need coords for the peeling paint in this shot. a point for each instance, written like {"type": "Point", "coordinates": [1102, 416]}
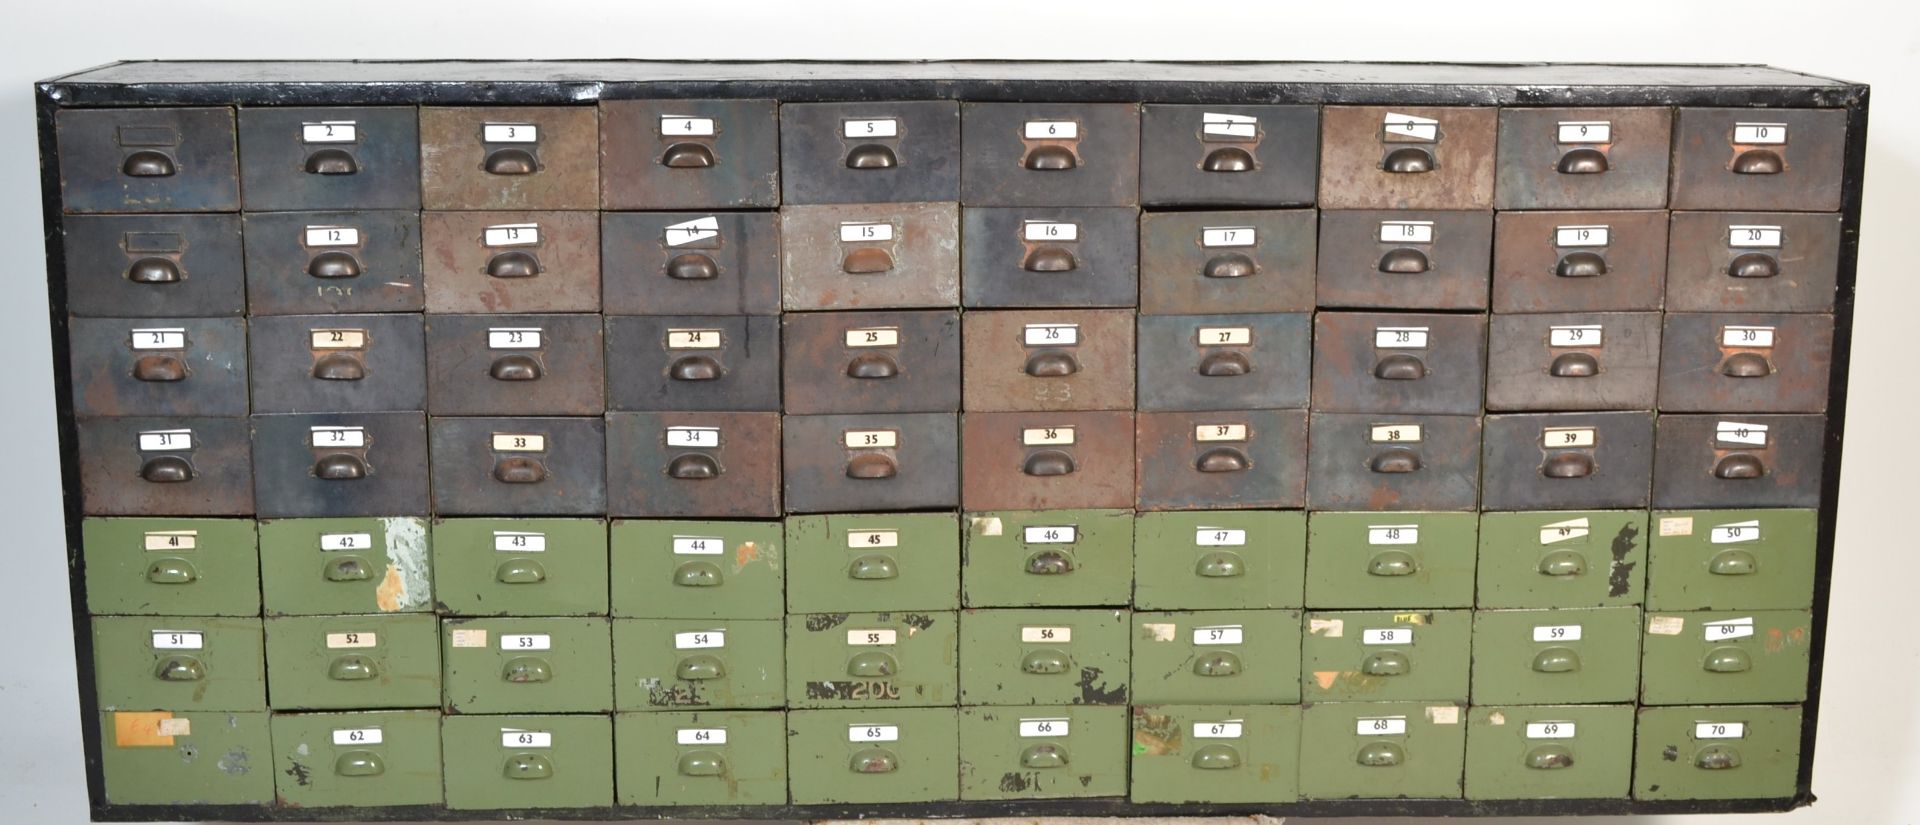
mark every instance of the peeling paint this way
{"type": "Point", "coordinates": [407, 585]}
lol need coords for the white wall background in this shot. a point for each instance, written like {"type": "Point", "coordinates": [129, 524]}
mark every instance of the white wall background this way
{"type": "Point", "coordinates": [1868, 770]}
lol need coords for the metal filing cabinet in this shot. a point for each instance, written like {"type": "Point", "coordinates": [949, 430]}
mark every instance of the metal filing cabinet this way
{"type": "Point", "coordinates": [1563, 558]}
{"type": "Point", "coordinates": [171, 567]}
{"type": "Point", "coordinates": [1407, 749]}
{"type": "Point", "coordinates": [1216, 655]}
{"type": "Point", "coordinates": [873, 755]}
{"type": "Point", "coordinates": [336, 760]}
{"type": "Point", "coordinates": [528, 762]}
{"type": "Point", "coordinates": [1563, 751]}
{"type": "Point", "coordinates": [872, 660]}
{"type": "Point", "coordinates": [885, 561]}
{"type": "Point", "coordinates": [527, 665]}
{"type": "Point", "coordinates": [1250, 559]}
{"type": "Point", "coordinates": [705, 757]}
{"type": "Point", "coordinates": [155, 757]}
{"type": "Point", "coordinates": [525, 567]}
{"type": "Point", "coordinates": [1043, 752]}
{"type": "Point", "coordinates": [1215, 753]}
{"type": "Point", "coordinates": [1386, 655]}
{"type": "Point", "coordinates": [1747, 751]}
{"type": "Point", "coordinates": [1044, 657]}
{"type": "Point", "coordinates": [1031, 558]}
{"type": "Point", "coordinates": [698, 569]}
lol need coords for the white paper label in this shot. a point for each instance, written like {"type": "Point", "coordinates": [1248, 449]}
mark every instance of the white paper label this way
{"type": "Point", "coordinates": [519, 443]}
{"type": "Point", "coordinates": [1219, 537]}
{"type": "Point", "coordinates": [1220, 432]}
{"type": "Point", "coordinates": [509, 133]}
{"type": "Point", "coordinates": [1406, 231]}
{"type": "Point", "coordinates": [693, 339]}
{"type": "Point", "coordinates": [1393, 534]}
{"type": "Point", "coordinates": [358, 736]}
{"type": "Point", "coordinates": [693, 231]}
{"type": "Point", "coordinates": [693, 436]}
{"type": "Point", "coordinates": [873, 538]}
{"type": "Point", "coordinates": [1386, 636]}
{"type": "Point", "coordinates": [178, 640]}
{"type": "Point", "coordinates": [687, 126]}
{"type": "Point", "coordinates": [1751, 337]}
{"type": "Point", "coordinates": [512, 542]}
{"type": "Point", "coordinates": [873, 337]}
{"type": "Point", "coordinates": [865, 638]}
{"type": "Point", "coordinates": [1569, 530]}
{"type": "Point", "coordinates": [172, 540]}
{"type": "Point", "coordinates": [879, 127]}
{"type": "Point", "coordinates": [1590, 335]}
{"type": "Point", "coordinates": [338, 641]}
{"type": "Point", "coordinates": [1581, 235]}
{"type": "Point", "coordinates": [330, 131]}
{"type": "Point", "coordinates": [1041, 436]}
{"type": "Point", "coordinates": [877, 439]}
{"type": "Point", "coordinates": [1719, 730]}
{"type": "Point", "coordinates": [1046, 634]}
{"type": "Point", "coordinates": [1052, 335]}
{"type": "Point", "coordinates": [1760, 133]}
{"type": "Point", "coordinates": [873, 733]}
{"type": "Point", "coordinates": [1231, 126]}
{"type": "Point", "coordinates": [1728, 629]}
{"type": "Point", "coordinates": [1228, 236]}
{"type": "Point", "coordinates": [1218, 730]}
{"type": "Point", "coordinates": [858, 232]}
{"type": "Point", "coordinates": [1049, 231]}
{"type": "Point", "coordinates": [1226, 634]}
{"type": "Point", "coordinates": [1738, 532]}
{"type": "Point", "coordinates": [700, 736]}
{"type": "Point", "coordinates": [1394, 433]}
{"type": "Point", "coordinates": [526, 641]}
{"type": "Point", "coordinates": [337, 339]}
{"type": "Point", "coordinates": [166, 439]}
{"type": "Point", "coordinates": [1557, 633]}
{"type": "Point", "coordinates": [1032, 728]}
{"type": "Point", "coordinates": [699, 640]}
{"type": "Point", "coordinates": [1225, 336]}
{"type": "Point", "coordinates": [332, 236]}
{"type": "Point", "coordinates": [1550, 730]}
{"type": "Point", "coordinates": [1585, 131]}
{"type": "Point", "coordinates": [1568, 436]}
{"type": "Point", "coordinates": [516, 738]}
{"type": "Point", "coordinates": [336, 542]}
{"type": "Point", "coordinates": [1734, 432]}
{"type": "Point", "coordinates": [337, 436]}
{"type": "Point", "coordinates": [1381, 726]}
{"type": "Point", "coordinates": [513, 338]}
{"type": "Point", "coordinates": [1052, 130]}
{"type": "Point", "coordinates": [1753, 236]}
{"type": "Point", "coordinates": [1400, 337]}
{"type": "Point", "coordinates": [169, 338]}
{"type": "Point", "coordinates": [699, 545]}
{"type": "Point", "coordinates": [1410, 128]}
{"type": "Point", "coordinates": [511, 234]}
{"type": "Point", "coordinates": [1064, 534]}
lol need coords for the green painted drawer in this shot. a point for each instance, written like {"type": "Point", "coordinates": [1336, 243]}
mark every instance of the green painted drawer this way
{"type": "Point", "coordinates": [1221, 560]}
{"type": "Point", "coordinates": [171, 567]}
{"type": "Point", "coordinates": [353, 662]}
{"type": "Point", "coordinates": [1743, 752]}
{"type": "Point", "coordinates": [1733, 560]}
{"type": "Point", "coordinates": [1044, 752]}
{"type": "Point", "coordinates": [186, 758]}
{"type": "Point", "coordinates": [327, 760]}
{"type": "Point", "coordinates": [179, 663]}
{"type": "Point", "coordinates": [1050, 558]}
{"type": "Point", "coordinates": [312, 566]}
{"type": "Point", "coordinates": [891, 561]}
{"type": "Point", "coordinates": [697, 569]}
{"type": "Point", "coordinates": [516, 665]}
{"type": "Point", "coordinates": [1386, 655]}
{"type": "Point", "coordinates": [1216, 753]}
{"type": "Point", "coordinates": [1560, 657]}
{"type": "Point", "coordinates": [1043, 657]}
{"type": "Point", "coordinates": [701, 758]}
{"type": "Point", "coordinates": [845, 660]}
{"type": "Point", "coordinates": [1373, 560]}
{"type": "Point", "coordinates": [1595, 558]}
{"type": "Point", "coordinates": [1235, 656]}
{"type": "Point", "coordinates": [721, 664]}
{"type": "Point", "coordinates": [1382, 750]}
{"type": "Point", "coordinates": [873, 755]}
{"type": "Point", "coordinates": [1549, 752]}
{"type": "Point", "coordinates": [1725, 657]}
{"type": "Point", "coordinates": [520, 567]}
{"type": "Point", "coordinates": [519, 762]}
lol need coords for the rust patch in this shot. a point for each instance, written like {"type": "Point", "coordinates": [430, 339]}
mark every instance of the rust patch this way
{"type": "Point", "coordinates": [747, 553]}
{"type": "Point", "coordinates": [392, 589]}
{"type": "Point", "coordinates": [1155, 734]}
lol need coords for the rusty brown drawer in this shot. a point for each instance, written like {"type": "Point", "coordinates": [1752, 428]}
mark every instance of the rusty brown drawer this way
{"type": "Point", "coordinates": [147, 160]}
{"type": "Point", "coordinates": [518, 466]}
{"type": "Point", "coordinates": [693, 362]}
{"type": "Point", "coordinates": [1223, 362]}
{"type": "Point", "coordinates": [1584, 158]}
{"type": "Point", "coordinates": [1573, 361]}
{"type": "Point", "coordinates": [1049, 154]}
{"type": "Point", "coordinates": [1399, 362]}
{"type": "Point", "coordinates": [1052, 359]}
{"type": "Point", "coordinates": [1387, 461]}
{"type": "Point", "coordinates": [154, 265]}
{"type": "Point", "coordinates": [870, 152]}
{"type": "Point", "coordinates": [1222, 460]}
{"type": "Point", "coordinates": [313, 262]}
{"type": "Point", "coordinates": [1574, 460]}
{"type": "Point", "coordinates": [336, 157]}
{"type": "Point", "coordinates": [526, 157]}
{"type": "Point", "coordinates": [1758, 158]}
{"type": "Point", "coordinates": [1738, 461]}
{"type": "Point", "coordinates": [1579, 261]}
{"type": "Point", "coordinates": [1407, 157]}
{"type": "Point", "coordinates": [514, 365]}
{"type": "Point", "coordinates": [1399, 259]}
{"type": "Point", "coordinates": [870, 256]}
{"type": "Point", "coordinates": [1047, 460]}
{"type": "Point", "coordinates": [340, 464]}
{"type": "Point", "coordinates": [511, 261]}
{"type": "Point", "coordinates": [158, 366]}
{"type": "Point", "coordinates": [689, 154]}
{"type": "Point", "coordinates": [690, 263]}
{"type": "Point", "coordinates": [879, 462]}
{"type": "Point", "coordinates": [1752, 261]}
{"type": "Point", "coordinates": [1221, 155]}
{"type": "Point", "coordinates": [338, 363]}
{"type": "Point", "coordinates": [151, 466]}
{"type": "Point", "coordinates": [871, 362]}
{"type": "Point", "coordinates": [1740, 362]}
{"type": "Point", "coordinates": [693, 465]}
{"type": "Point", "coordinates": [1213, 262]}
{"type": "Point", "coordinates": [1049, 257]}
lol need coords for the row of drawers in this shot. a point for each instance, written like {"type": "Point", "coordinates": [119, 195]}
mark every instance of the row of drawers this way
{"type": "Point", "coordinates": [720, 154]}
{"type": "Point", "coordinates": [1671, 560]}
{"type": "Point", "coordinates": [725, 465]}
{"type": "Point", "coordinates": [974, 657]}
{"type": "Point", "coordinates": [1178, 753]}
{"type": "Point", "coordinates": [876, 256]}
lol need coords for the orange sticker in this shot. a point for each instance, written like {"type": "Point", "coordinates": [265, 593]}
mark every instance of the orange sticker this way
{"type": "Point", "coordinates": [143, 729]}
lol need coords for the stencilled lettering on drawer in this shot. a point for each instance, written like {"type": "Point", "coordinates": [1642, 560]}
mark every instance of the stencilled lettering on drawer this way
{"type": "Point", "coordinates": [1420, 232]}
{"type": "Point", "coordinates": [1225, 729]}
{"type": "Point", "coordinates": [352, 640]}
{"type": "Point", "coordinates": [1052, 634]}
{"type": "Point", "coordinates": [1591, 336]}
{"type": "Point", "coordinates": [1381, 726]}
{"type": "Point", "coordinates": [345, 542]}
{"type": "Point", "coordinates": [1584, 131]}
{"type": "Point", "coordinates": [700, 736]}
{"type": "Point", "coordinates": [156, 440]}
{"type": "Point", "coordinates": [519, 443]}
{"type": "Point", "coordinates": [1394, 433]}
{"type": "Point", "coordinates": [873, 733]}
{"type": "Point", "coordinates": [1727, 629]}
{"type": "Point", "coordinates": [1215, 237]}
{"type": "Point", "coordinates": [511, 234]}
{"type": "Point", "coordinates": [1220, 432]}
{"type": "Point", "coordinates": [1745, 435]}
{"type": "Point", "coordinates": [509, 133]}
{"type": "Point", "coordinates": [1747, 337]}
{"type": "Point", "coordinates": [167, 338]}
{"type": "Point", "coordinates": [170, 540]}
{"type": "Point", "coordinates": [1557, 633]}
{"type": "Point", "coordinates": [1051, 335]}
{"type": "Point", "coordinates": [1719, 730]}
{"type": "Point", "coordinates": [688, 233]}
{"type": "Point", "coordinates": [859, 539]}
{"type": "Point", "coordinates": [698, 437]}
{"type": "Point", "coordinates": [330, 339]}
{"type": "Point", "coordinates": [1399, 128]}
{"type": "Point", "coordinates": [1225, 634]}
{"type": "Point", "coordinates": [1550, 730]}
{"type": "Point", "coordinates": [865, 231]}
{"type": "Point", "coordinates": [1581, 235]}
{"type": "Point", "coordinates": [1049, 231]}
{"type": "Point", "coordinates": [870, 439]}
{"type": "Point", "coordinates": [348, 437]}
{"type": "Point", "coordinates": [179, 640]}
{"type": "Point", "coordinates": [873, 127]}
{"type": "Point", "coordinates": [526, 641]}
{"type": "Point", "coordinates": [699, 640]}
{"type": "Point", "coordinates": [1386, 636]}
{"type": "Point", "coordinates": [1568, 436]}
{"type": "Point", "coordinates": [1739, 532]}
{"type": "Point", "coordinates": [513, 541]}
{"type": "Point", "coordinates": [699, 545]}
{"type": "Point", "coordinates": [358, 736]}
{"type": "Point", "coordinates": [1219, 537]}
{"type": "Point", "coordinates": [1045, 728]}
{"type": "Point", "coordinates": [1747, 236]}
{"type": "Point", "coordinates": [330, 131]}
{"type": "Point", "coordinates": [694, 339]}
{"type": "Point", "coordinates": [513, 338]}
{"type": "Point", "coordinates": [870, 337]}
{"type": "Point", "coordinates": [1562, 532]}
{"type": "Point", "coordinates": [1400, 337]}
{"type": "Point", "coordinates": [1063, 534]}
{"type": "Point", "coordinates": [869, 638]}
{"type": "Point", "coordinates": [687, 126]}
{"type": "Point", "coordinates": [1764, 134]}
{"type": "Point", "coordinates": [330, 236]}
{"type": "Point", "coordinates": [1046, 436]}
{"type": "Point", "coordinates": [517, 738]}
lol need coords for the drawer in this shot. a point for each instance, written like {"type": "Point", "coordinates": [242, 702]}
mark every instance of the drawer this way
{"type": "Point", "coordinates": [690, 263]}
{"type": "Point", "coordinates": [1585, 460]}
{"type": "Point", "coordinates": [698, 569]}
{"type": "Point", "coordinates": [1399, 259]}
{"type": "Point", "coordinates": [1533, 657]}
{"type": "Point", "coordinates": [354, 662]}
{"type": "Point", "coordinates": [1751, 159]}
{"type": "Point", "coordinates": [338, 363]}
{"type": "Point", "coordinates": [1750, 461]}
{"type": "Point", "coordinates": [533, 365]}
{"type": "Point", "coordinates": [1733, 559]}
{"type": "Point", "coordinates": [1752, 261]}
{"type": "Point", "coordinates": [147, 160]}
{"type": "Point", "coordinates": [526, 157]}
{"type": "Point", "coordinates": [199, 664]}
{"type": "Point", "coordinates": [158, 366]}
{"type": "Point", "coordinates": [340, 464]}
{"type": "Point", "coordinates": [1216, 655]}
{"type": "Point", "coordinates": [1044, 657]}
{"type": "Point", "coordinates": [518, 466]}
{"type": "Point", "coordinates": [1562, 559]}
{"type": "Point", "coordinates": [871, 362]}
{"type": "Point", "coordinates": [491, 758]}
{"type": "Point", "coordinates": [326, 262]}
{"type": "Point", "coordinates": [689, 154]}
{"type": "Point", "coordinates": [1050, 154]}
{"type": "Point", "coordinates": [1047, 460]}
{"type": "Point", "coordinates": [864, 756]}
{"type": "Point", "coordinates": [723, 664]}
{"type": "Point", "coordinates": [511, 261]}
{"type": "Point", "coordinates": [1750, 752]}
{"type": "Point", "coordinates": [1573, 361]}
{"type": "Point", "coordinates": [1224, 362]}
{"type": "Point", "coordinates": [1043, 753]}
{"type": "Point", "coordinates": [1249, 559]}
{"type": "Point", "coordinates": [154, 265]}
{"type": "Point", "coordinates": [1215, 753]}
{"type": "Point", "coordinates": [171, 567]}
{"type": "Point", "coordinates": [872, 660]}
{"type": "Point", "coordinates": [1228, 155]}
{"type": "Point", "coordinates": [838, 463]}
{"type": "Point", "coordinates": [1406, 749]}
{"type": "Point", "coordinates": [1215, 262]}
{"type": "Point", "coordinates": [1407, 157]}
{"type": "Point", "coordinates": [1586, 158]}
{"type": "Point", "coordinates": [889, 561]}
{"type": "Point", "coordinates": [312, 566]}
{"type": "Point", "coordinates": [526, 567]}
{"type": "Point", "coordinates": [1050, 257]}
{"type": "Point", "coordinates": [1386, 655]}
{"type": "Point", "coordinates": [1391, 560]}
{"type": "Point", "coordinates": [165, 466]}
{"type": "Point", "coordinates": [1058, 359]}
{"type": "Point", "coordinates": [1579, 261]}
{"type": "Point", "coordinates": [693, 362]}
{"type": "Point", "coordinates": [150, 758]}
{"type": "Point", "coordinates": [1746, 363]}
{"type": "Point", "coordinates": [870, 256]}
{"type": "Point", "coordinates": [693, 465]}
{"type": "Point", "coordinates": [339, 760]}
{"type": "Point", "coordinates": [548, 665]}
{"type": "Point", "coordinates": [1399, 362]}
{"type": "Point", "coordinates": [700, 758]}
{"type": "Point", "coordinates": [1551, 752]}
{"type": "Point", "coordinates": [1226, 460]}
{"type": "Point", "coordinates": [335, 157]}
{"type": "Point", "coordinates": [870, 152]}
{"type": "Point", "coordinates": [1743, 657]}
{"type": "Point", "coordinates": [1029, 558]}
{"type": "Point", "coordinates": [1393, 462]}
